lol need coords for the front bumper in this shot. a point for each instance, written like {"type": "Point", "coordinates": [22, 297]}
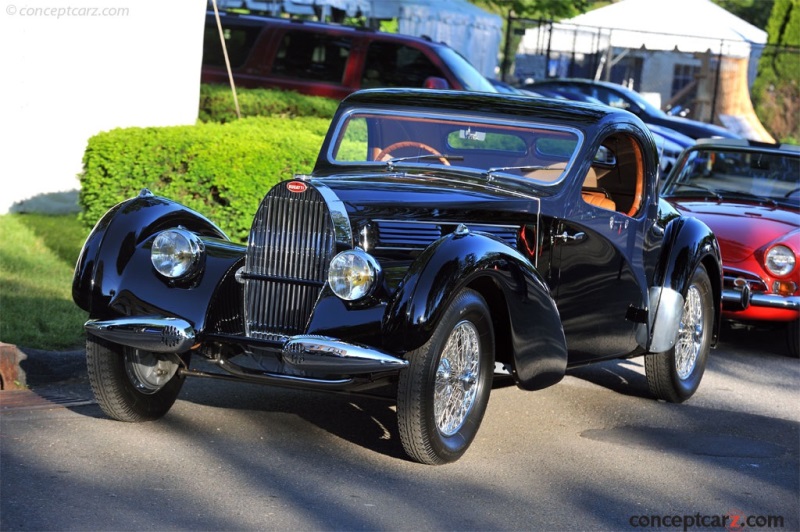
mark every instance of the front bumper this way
{"type": "Point", "coordinates": [316, 354]}
{"type": "Point", "coordinates": [741, 300]}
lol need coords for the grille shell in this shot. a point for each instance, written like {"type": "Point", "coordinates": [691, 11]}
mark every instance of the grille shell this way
{"type": "Point", "coordinates": [291, 244]}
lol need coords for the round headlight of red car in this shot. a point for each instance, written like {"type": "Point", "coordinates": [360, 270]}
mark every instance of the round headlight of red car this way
{"type": "Point", "coordinates": [176, 252]}
{"type": "Point", "coordinates": [780, 261]}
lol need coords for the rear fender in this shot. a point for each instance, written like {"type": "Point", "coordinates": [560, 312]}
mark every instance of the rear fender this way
{"type": "Point", "coordinates": [114, 276]}
{"type": "Point", "coordinates": [463, 260]}
{"type": "Point", "coordinates": [688, 243]}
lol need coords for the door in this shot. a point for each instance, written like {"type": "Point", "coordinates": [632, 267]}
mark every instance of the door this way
{"type": "Point", "coordinates": [598, 257]}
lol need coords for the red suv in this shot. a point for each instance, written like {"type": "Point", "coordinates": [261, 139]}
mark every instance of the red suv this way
{"type": "Point", "coordinates": [329, 60]}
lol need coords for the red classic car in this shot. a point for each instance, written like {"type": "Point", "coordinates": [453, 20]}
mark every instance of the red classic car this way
{"type": "Point", "coordinates": [748, 193]}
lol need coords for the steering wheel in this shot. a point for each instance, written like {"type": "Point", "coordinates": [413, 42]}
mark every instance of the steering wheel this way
{"type": "Point", "coordinates": [409, 144]}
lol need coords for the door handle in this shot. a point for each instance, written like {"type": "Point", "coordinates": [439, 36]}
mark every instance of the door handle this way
{"type": "Point", "coordinates": [566, 237]}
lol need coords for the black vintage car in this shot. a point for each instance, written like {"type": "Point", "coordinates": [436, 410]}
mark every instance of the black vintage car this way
{"type": "Point", "coordinates": [442, 237]}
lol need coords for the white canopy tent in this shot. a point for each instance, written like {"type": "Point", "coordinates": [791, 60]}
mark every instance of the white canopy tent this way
{"type": "Point", "coordinates": [684, 25]}
{"type": "Point", "coordinates": [464, 27]}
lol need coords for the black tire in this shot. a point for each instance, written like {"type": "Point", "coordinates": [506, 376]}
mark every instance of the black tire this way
{"type": "Point", "coordinates": [675, 375]}
{"type": "Point", "coordinates": [125, 382]}
{"type": "Point", "coordinates": [429, 435]}
{"type": "Point", "coordinates": [793, 338]}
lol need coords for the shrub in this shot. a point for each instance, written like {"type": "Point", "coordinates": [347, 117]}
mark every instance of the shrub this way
{"type": "Point", "coordinates": [216, 104]}
{"type": "Point", "coordinates": [220, 170]}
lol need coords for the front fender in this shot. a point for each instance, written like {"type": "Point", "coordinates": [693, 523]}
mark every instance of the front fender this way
{"type": "Point", "coordinates": [114, 276]}
{"type": "Point", "coordinates": [519, 299]}
{"type": "Point", "coordinates": [688, 242]}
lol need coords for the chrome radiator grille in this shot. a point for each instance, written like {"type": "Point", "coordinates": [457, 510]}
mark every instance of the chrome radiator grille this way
{"type": "Point", "coordinates": [290, 247]}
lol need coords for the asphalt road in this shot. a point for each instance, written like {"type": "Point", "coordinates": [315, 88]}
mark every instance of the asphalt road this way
{"type": "Point", "coordinates": [594, 452]}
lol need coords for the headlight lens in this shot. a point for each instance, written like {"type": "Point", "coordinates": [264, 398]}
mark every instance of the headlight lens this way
{"type": "Point", "coordinates": [176, 252]}
{"type": "Point", "coordinates": [353, 274]}
{"type": "Point", "coordinates": [780, 261]}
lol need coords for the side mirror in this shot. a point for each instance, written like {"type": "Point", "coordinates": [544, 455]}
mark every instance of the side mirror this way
{"type": "Point", "coordinates": [434, 82]}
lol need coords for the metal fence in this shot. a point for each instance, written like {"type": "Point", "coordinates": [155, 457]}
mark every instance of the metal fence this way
{"type": "Point", "coordinates": [690, 75]}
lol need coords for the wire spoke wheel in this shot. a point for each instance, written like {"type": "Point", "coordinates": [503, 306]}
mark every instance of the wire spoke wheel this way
{"type": "Point", "coordinates": [690, 334]}
{"type": "Point", "coordinates": [443, 394]}
{"type": "Point", "coordinates": [456, 378]}
{"type": "Point", "coordinates": [675, 375]}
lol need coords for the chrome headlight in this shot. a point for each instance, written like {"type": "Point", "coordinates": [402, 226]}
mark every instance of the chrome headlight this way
{"type": "Point", "coordinates": [779, 261]}
{"type": "Point", "coordinates": [176, 252]}
{"type": "Point", "coordinates": [353, 274]}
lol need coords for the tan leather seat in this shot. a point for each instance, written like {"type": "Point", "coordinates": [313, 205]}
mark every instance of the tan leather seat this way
{"type": "Point", "coordinates": [595, 197]}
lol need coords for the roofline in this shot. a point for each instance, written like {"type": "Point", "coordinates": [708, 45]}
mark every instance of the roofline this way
{"type": "Point", "coordinates": [746, 143]}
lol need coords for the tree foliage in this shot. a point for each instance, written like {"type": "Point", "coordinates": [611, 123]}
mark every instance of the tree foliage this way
{"type": "Point", "coordinates": [776, 92]}
{"type": "Point", "coordinates": [756, 12]}
{"type": "Point", "coordinates": [545, 9]}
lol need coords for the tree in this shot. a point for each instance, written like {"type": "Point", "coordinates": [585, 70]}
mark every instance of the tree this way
{"type": "Point", "coordinates": [756, 12]}
{"type": "Point", "coordinates": [546, 9]}
{"type": "Point", "coordinates": [776, 91]}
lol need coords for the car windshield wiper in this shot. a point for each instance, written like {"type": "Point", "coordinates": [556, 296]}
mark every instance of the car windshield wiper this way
{"type": "Point", "coordinates": [422, 157]}
{"type": "Point", "coordinates": [748, 195]}
{"type": "Point", "coordinates": [491, 171]}
{"type": "Point", "coordinates": [700, 187]}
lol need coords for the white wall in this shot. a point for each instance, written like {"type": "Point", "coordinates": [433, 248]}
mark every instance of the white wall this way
{"type": "Point", "coordinates": [71, 72]}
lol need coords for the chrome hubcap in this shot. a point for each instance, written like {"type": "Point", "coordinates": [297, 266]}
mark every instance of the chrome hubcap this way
{"type": "Point", "coordinates": [456, 378]}
{"type": "Point", "coordinates": [690, 334]}
{"type": "Point", "coordinates": [148, 373]}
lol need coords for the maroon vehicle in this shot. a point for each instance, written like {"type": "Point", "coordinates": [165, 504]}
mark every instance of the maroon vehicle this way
{"type": "Point", "coordinates": [748, 193]}
{"type": "Point", "coordinates": [329, 60]}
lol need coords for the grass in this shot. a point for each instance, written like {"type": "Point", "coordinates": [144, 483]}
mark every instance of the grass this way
{"type": "Point", "coordinates": [37, 257]}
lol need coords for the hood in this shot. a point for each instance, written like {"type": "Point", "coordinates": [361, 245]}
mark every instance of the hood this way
{"type": "Point", "coordinates": [695, 129]}
{"type": "Point", "coordinates": [448, 198]}
{"type": "Point", "coordinates": [741, 228]}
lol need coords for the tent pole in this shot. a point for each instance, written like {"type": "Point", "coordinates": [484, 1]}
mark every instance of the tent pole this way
{"type": "Point", "coordinates": [716, 83]}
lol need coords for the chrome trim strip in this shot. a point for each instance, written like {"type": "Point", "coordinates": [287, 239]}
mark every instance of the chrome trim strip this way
{"type": "Point", "coordinates": [150, 333]}
{"type": "Point", "coordinates": [338, 213]}
{"type": "Point", "coordinates": [329, 355]}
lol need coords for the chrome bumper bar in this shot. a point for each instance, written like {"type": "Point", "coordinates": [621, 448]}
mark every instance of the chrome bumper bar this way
{"type": "Point", "coordinates": [317, 354]}
{"type": "Point", "coordinates": [735, 299]}
{"type": "Point", "coordinates": [329, 355]}
{"type": "Point", "coordinates": [149, 333]}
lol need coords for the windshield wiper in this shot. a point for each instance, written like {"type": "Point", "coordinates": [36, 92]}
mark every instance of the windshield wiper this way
{"type": "Point", "coordinates": [748, 195]}
{"type": "Point", "coordinates": [491, 171]}
{"type": "Point", "coordinates": [700, 187]}
{"type": "Point", "coordinates": [422, 157]}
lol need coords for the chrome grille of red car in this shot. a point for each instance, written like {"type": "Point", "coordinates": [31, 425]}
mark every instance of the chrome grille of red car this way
{"type": "Point", "coordinates": [289, 249]}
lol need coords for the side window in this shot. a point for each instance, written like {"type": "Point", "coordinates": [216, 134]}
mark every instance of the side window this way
{"type": "Point", "coordinates": [611, 99]}
{"type": "Point", "coordinates": [396, 65]}
{"type": "Point", "coordinates": [615, 180]}
{"type": "Point", "coordinates": [313, 56]}
{"type": "Point", "coordinates": [238, 41]}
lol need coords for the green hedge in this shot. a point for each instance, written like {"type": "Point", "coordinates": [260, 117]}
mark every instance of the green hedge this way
{"type": "Point", "coordinates": [216, 104]}
{"type": "Point", "coordinates": [220, 170]}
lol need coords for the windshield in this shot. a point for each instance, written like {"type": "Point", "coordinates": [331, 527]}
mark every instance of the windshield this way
{"type": "Point", "coordinates": [722, 174]}
{"type": "Point", "coordinates": [468, 75]}
{"type": "Point", "coordinates": [390, 140]}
